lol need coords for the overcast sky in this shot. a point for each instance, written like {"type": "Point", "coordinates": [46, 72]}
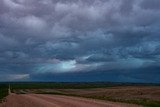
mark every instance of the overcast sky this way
{"type": "Point", "coordinates": [80, 40]}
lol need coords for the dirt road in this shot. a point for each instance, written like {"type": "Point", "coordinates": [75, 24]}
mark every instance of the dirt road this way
{"type": "Point", "coordinates": [39, 100]}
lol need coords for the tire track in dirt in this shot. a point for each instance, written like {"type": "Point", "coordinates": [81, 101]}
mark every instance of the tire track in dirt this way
{"type": "Point", "coordinates": [41, 100]}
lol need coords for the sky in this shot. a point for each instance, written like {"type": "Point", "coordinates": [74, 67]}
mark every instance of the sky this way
{"type": "Point", "coordinates": [80, 40]}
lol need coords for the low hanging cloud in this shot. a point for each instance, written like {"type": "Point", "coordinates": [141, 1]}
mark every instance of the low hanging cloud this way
{"type": "Point", "coordinates": [95, 40]}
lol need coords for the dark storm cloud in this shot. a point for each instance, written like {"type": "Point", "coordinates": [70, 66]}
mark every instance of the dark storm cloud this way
{"type": "Point", "coordinates": [148, 4]}
{"type": "Point", "coordinates": [49, 39]}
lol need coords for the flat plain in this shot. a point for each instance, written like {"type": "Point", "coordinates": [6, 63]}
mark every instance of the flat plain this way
{"type": "Point", "coordinates": [82, 95]}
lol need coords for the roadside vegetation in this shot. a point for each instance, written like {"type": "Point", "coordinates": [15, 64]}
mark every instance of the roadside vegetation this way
{"type": "Point", "coordinates": [144, 102]}
{"type": "Point", "coordinates": [3, 91]}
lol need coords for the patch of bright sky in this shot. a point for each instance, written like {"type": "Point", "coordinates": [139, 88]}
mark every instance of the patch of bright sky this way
{"type": "Point", "coordinates": [61, 67]}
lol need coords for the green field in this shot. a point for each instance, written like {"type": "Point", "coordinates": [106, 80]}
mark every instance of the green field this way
{"type": "Point", "coordinates": [3, 91]}
{"type": "Point", "coordinates": [60, 85]}
{"type": "Point", "coordinates": [71, 85]}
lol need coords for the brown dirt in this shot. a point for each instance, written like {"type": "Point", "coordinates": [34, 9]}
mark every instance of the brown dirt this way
{"type": "Point", "coordinates": [39, 100]}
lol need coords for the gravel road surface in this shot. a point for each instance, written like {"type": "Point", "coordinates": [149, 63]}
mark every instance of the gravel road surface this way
{"type": "Point", "coordinates": [41, 100]}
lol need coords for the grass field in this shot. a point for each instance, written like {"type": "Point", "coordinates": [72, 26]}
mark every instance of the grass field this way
{"type": "Point", "coordinates": [3, 91]}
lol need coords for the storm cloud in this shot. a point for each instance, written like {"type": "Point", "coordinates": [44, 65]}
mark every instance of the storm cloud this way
{"type": "Point", "coordinates": [80, 40]}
